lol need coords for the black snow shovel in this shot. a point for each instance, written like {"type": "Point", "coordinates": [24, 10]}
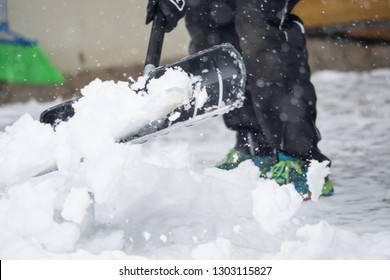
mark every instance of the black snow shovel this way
{"type": "Point", "coordinates": [222, 74]}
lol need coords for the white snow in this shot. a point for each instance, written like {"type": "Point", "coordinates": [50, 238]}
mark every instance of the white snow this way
{"type": "Point", "coordinates": [274, 206]}
{"type": "Point", "coordinates": [216, 250]}
{"type": "Point", "coordinates": [316, 174]}
{"type": "Point", "coordinates": [76, 205]}
{"type": "Point", "coordinates": [165, 200]}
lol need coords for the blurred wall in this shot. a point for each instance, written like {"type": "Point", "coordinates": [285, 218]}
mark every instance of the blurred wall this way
{"type": "Point", "coordinates": [90, 34]}
{"type": "Point", "coordinates": [94, 34]}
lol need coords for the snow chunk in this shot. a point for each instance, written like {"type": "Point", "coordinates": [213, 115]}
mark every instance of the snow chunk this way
{"type": "Point", "coordinates": [316, 177]}
{"type": "Point", "coordinates": [274, 205]}
{"type": "Point", "coordinates": [76, 205]}
{"type": "Point", "coordinates": [171, 90]}
{"type": "Point", "coordinates": [147, 235]}
{"type": "Point", "coordinates": [163, 238]}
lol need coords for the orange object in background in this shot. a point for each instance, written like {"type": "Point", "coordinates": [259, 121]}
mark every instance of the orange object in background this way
{"type": "Point", "coordinates": [356, 18]}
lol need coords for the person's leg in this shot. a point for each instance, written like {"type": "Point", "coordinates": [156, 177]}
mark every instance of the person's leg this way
{"type": "Point", "coordinates": [274, 49]}
{"type": "Point", "coordinates": [210, 23]}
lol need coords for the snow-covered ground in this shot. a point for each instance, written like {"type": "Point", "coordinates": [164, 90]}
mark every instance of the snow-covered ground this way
{"type": "Point", "coordinates": [164, 199]}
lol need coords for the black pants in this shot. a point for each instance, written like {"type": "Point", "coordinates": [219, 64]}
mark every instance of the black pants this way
{"type": "Point", "coordinates": [279, 111]}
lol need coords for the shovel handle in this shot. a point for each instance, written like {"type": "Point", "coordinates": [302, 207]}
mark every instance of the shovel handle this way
{"type": "Point", "coordinates": [153, 54]}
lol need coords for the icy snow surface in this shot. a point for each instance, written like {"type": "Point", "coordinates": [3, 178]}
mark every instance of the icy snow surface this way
{"type": "Point", "coordinates": [164, 199]}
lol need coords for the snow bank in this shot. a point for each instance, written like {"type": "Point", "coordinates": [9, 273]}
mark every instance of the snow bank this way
{"type": "Point", "coordinates": [131, 202]}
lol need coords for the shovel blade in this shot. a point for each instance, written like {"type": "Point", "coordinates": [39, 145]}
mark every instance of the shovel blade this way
{"type": "Point", "coordinates": [222, 73]}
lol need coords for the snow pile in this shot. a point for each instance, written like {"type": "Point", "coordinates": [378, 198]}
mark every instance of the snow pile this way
{"type": "Point", "coordinates": [154, 201]}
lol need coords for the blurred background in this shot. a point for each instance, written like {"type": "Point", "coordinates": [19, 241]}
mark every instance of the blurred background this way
{"type": "Point", "coordinates": [88, 39]}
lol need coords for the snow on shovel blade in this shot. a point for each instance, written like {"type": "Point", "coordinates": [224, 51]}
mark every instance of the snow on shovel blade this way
{"type": "Point", "coordinates": [223, 77]}
{"type": "Point", "coordinates": [222, 73]}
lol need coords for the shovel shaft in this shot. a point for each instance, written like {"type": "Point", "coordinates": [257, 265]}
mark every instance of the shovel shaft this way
{"type": "Point", "coordinates": [156, 39]}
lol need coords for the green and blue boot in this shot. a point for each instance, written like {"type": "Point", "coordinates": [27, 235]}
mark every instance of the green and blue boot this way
{"type": "Point", "coordinates": [235, 157]}
{"type": "Point", "coordinates": [293, 170]}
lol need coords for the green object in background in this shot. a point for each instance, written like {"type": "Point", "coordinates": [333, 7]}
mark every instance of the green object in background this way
{"type": "Point", "coordinates": [22, 61]}
{"type": "Point", "coordinates": [26, 65]}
